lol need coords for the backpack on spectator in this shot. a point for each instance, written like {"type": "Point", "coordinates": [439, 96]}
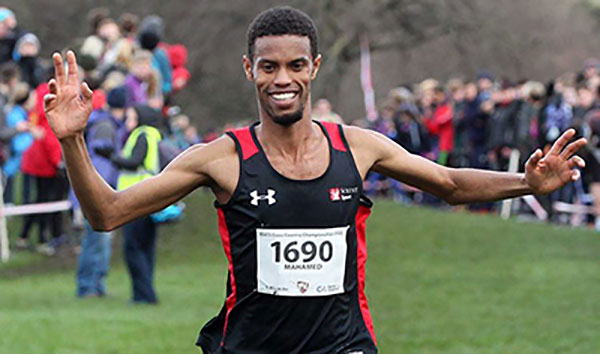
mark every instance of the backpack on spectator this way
{"type": "Point", "coordinates": [167, 151]}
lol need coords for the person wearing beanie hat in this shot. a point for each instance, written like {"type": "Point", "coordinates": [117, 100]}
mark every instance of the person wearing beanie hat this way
{"type": "Point", "coordinates": [149, 40]}
{"type": "Point", "coordinates": [152, 23]}
{"type": "Point", "coordinates": [117, 97]}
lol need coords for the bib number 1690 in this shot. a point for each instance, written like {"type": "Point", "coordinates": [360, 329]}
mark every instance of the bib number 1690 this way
{"type": "Point", "coordinates": [307, 250]}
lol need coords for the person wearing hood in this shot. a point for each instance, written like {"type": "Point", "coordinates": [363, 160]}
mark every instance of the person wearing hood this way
{"type": "Point", "coordinates": [101, 139]}
{"type": "Point", "coordinates": [138, 161]}
{"type": "Point", "coordinates": [10, 32]}
{"type": "Point", "coordinates": [26, 56]}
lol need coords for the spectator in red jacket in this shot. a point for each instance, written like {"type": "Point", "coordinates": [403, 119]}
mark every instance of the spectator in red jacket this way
{"type": "Point", "coordinates": [43, 161]}
{"type": "Point", "coordinates": [439, 123]}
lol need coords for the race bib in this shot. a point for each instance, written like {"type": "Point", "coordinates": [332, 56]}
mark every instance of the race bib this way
{"type": "Point", "coordinates": [301, 262]}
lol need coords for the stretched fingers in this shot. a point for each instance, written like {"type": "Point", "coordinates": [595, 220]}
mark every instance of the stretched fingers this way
{"type": "Point", "coordinates": [86, 92]}
{"type": "Point", "coordinates": [534, 158]}
{"type": "Point", "coordinates": [573, 148]}
{"type": "Point", "coordinates": [48, 99]}
{"type": "Point", "coordinates": [52, 86]}
{"type": "Point", "coordinates": [576, 161]}
{"type": "Point", "coordinates": [560, 143]}
{"type": "Point", "coordinates": [72, 78]}
{"type": "Point", "coordinates": [59, 68]}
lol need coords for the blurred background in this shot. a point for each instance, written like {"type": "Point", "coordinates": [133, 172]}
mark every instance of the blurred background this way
{"type": "Point", "coordinates": [410, 41]}
{"type": "Point", "coordinates": [463, 83]}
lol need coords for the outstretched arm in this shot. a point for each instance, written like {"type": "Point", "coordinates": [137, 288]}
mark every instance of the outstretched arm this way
{"type": "Point", "coordinates": [543, 173]}
{"type": "Point", "coordinates": [68, 107]}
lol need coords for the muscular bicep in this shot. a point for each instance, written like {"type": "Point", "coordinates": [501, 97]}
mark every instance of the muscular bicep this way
{"type": "Point", "coordinates": [195, 167]}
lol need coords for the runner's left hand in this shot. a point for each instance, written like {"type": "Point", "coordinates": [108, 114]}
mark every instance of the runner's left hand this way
{"type": "Point", "coordinates": [547, 172]}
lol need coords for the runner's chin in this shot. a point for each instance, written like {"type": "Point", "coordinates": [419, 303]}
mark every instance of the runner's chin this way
{"type": "Point", "coordinates": [287, 119]}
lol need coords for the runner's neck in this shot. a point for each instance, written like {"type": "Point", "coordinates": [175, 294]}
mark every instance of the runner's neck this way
{"type": "Point", "coordinates": [290, 142]}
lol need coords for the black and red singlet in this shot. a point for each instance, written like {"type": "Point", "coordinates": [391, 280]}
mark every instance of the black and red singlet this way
{"type": "Point", "coordinates": [296, 252]}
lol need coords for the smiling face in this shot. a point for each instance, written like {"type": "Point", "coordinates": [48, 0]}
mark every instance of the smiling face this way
{"type": "Point", "coordinates": [282, 68]}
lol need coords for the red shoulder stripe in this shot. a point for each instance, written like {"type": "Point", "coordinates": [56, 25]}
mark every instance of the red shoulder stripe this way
{"type": "Point", "coordinates": [333, 130]}
{"type": "Point", "coordinates": [244, 137]}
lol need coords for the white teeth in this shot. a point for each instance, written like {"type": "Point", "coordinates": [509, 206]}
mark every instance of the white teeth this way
{"type": "Point", "coordinates": [283, 96]}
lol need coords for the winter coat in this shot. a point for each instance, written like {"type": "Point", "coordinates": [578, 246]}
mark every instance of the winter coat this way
{"type": "Point", "coordinates": [101, 141]}
{"type": "Point", "coordinates": [44, 155]}
{"type": "Point", "coordinates": [440, 124]}
{"type": "Point", "coordinates": [19, 143]}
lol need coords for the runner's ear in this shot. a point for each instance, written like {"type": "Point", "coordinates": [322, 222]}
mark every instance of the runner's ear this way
{"type": "Point", "coordinates": [316, 66]}
{"type": "Point", "coordinates": [247, 65]}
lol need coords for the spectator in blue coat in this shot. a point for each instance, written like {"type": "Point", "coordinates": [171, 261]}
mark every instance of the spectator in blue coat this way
{"type": "Point", "coordinates": [21, 101]}
{"type": "Point", "coordinates": [101, 138]}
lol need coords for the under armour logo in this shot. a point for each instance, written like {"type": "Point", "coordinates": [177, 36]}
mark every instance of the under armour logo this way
{"type": "Point", "coordinates": [269, 197]}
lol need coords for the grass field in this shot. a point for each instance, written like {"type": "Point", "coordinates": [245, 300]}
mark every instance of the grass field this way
{"type": "Point", "coordinates": [437, 282]}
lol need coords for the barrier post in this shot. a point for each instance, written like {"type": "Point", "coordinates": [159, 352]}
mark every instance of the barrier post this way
{"type": "Point", "coordinates": [513, 166]}
{"type": "Point", "coordinates": [4, 249]}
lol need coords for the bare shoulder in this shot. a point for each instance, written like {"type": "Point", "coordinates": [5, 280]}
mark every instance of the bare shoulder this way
{"type": "Point", "coordinates": [364, 138]}
{"type": "Point", "coordinates": [367, 146]}
{"type": "Point", "coordinates": [216, 162]}
{"type": "Point", "coordinates": [200, 157]}
{"type": "Point", "coordinates": [375, 151]}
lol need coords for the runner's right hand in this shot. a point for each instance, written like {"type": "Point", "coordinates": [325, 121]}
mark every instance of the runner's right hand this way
{"type": "Point", "coordinates": [69, 103]}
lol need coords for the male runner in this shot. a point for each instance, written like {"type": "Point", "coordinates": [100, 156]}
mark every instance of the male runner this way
{"type": "Point", "coordinates": [288, 197]}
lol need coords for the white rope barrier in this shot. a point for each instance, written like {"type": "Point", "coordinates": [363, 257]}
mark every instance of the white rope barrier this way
{"type": "Point", "coordinates": [13, 210]}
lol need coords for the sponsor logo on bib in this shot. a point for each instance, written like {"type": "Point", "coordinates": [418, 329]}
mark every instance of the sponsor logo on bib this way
{"type": "Point", "coordinates": [302, 286]}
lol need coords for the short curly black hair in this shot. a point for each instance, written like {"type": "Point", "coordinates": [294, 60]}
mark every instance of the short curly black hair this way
{"type": "Point", "coordinates": [282, 20]}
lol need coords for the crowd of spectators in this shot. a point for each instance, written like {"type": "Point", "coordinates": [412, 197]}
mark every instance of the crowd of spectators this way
{"type": "Point", "coordinates": [127, 63]}
{"type": "Point", "coordinates": [483, 122]}
{"type": "Point", "coordinates": [131, 69]}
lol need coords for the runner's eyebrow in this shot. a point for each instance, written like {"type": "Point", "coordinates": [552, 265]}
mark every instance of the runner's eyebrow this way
{"type": "Point", "coordinates": [303, 59]}
{"type": "Point", "coordinates": [260, 61]}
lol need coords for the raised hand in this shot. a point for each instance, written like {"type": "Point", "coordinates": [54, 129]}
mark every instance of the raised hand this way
{"type": "Point", "coordinates": [545, 173]}
{"type": "Point", "coordinates": [69, 103]}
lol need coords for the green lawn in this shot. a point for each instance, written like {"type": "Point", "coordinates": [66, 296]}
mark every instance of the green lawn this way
{"type": "Point", "coordinates": [438, 282]}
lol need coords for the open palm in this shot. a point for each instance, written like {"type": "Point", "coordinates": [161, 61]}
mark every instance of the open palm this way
{"type": "Point", "coordinates": [69, 103]}
{"type": "Point", "coordinates": [547, 172]}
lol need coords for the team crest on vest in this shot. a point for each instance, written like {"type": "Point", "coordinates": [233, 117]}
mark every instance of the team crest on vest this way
{"type": "Point", "coordinates": [342, 193]}
{"type": "Point", "coordinates": [257, 198]}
